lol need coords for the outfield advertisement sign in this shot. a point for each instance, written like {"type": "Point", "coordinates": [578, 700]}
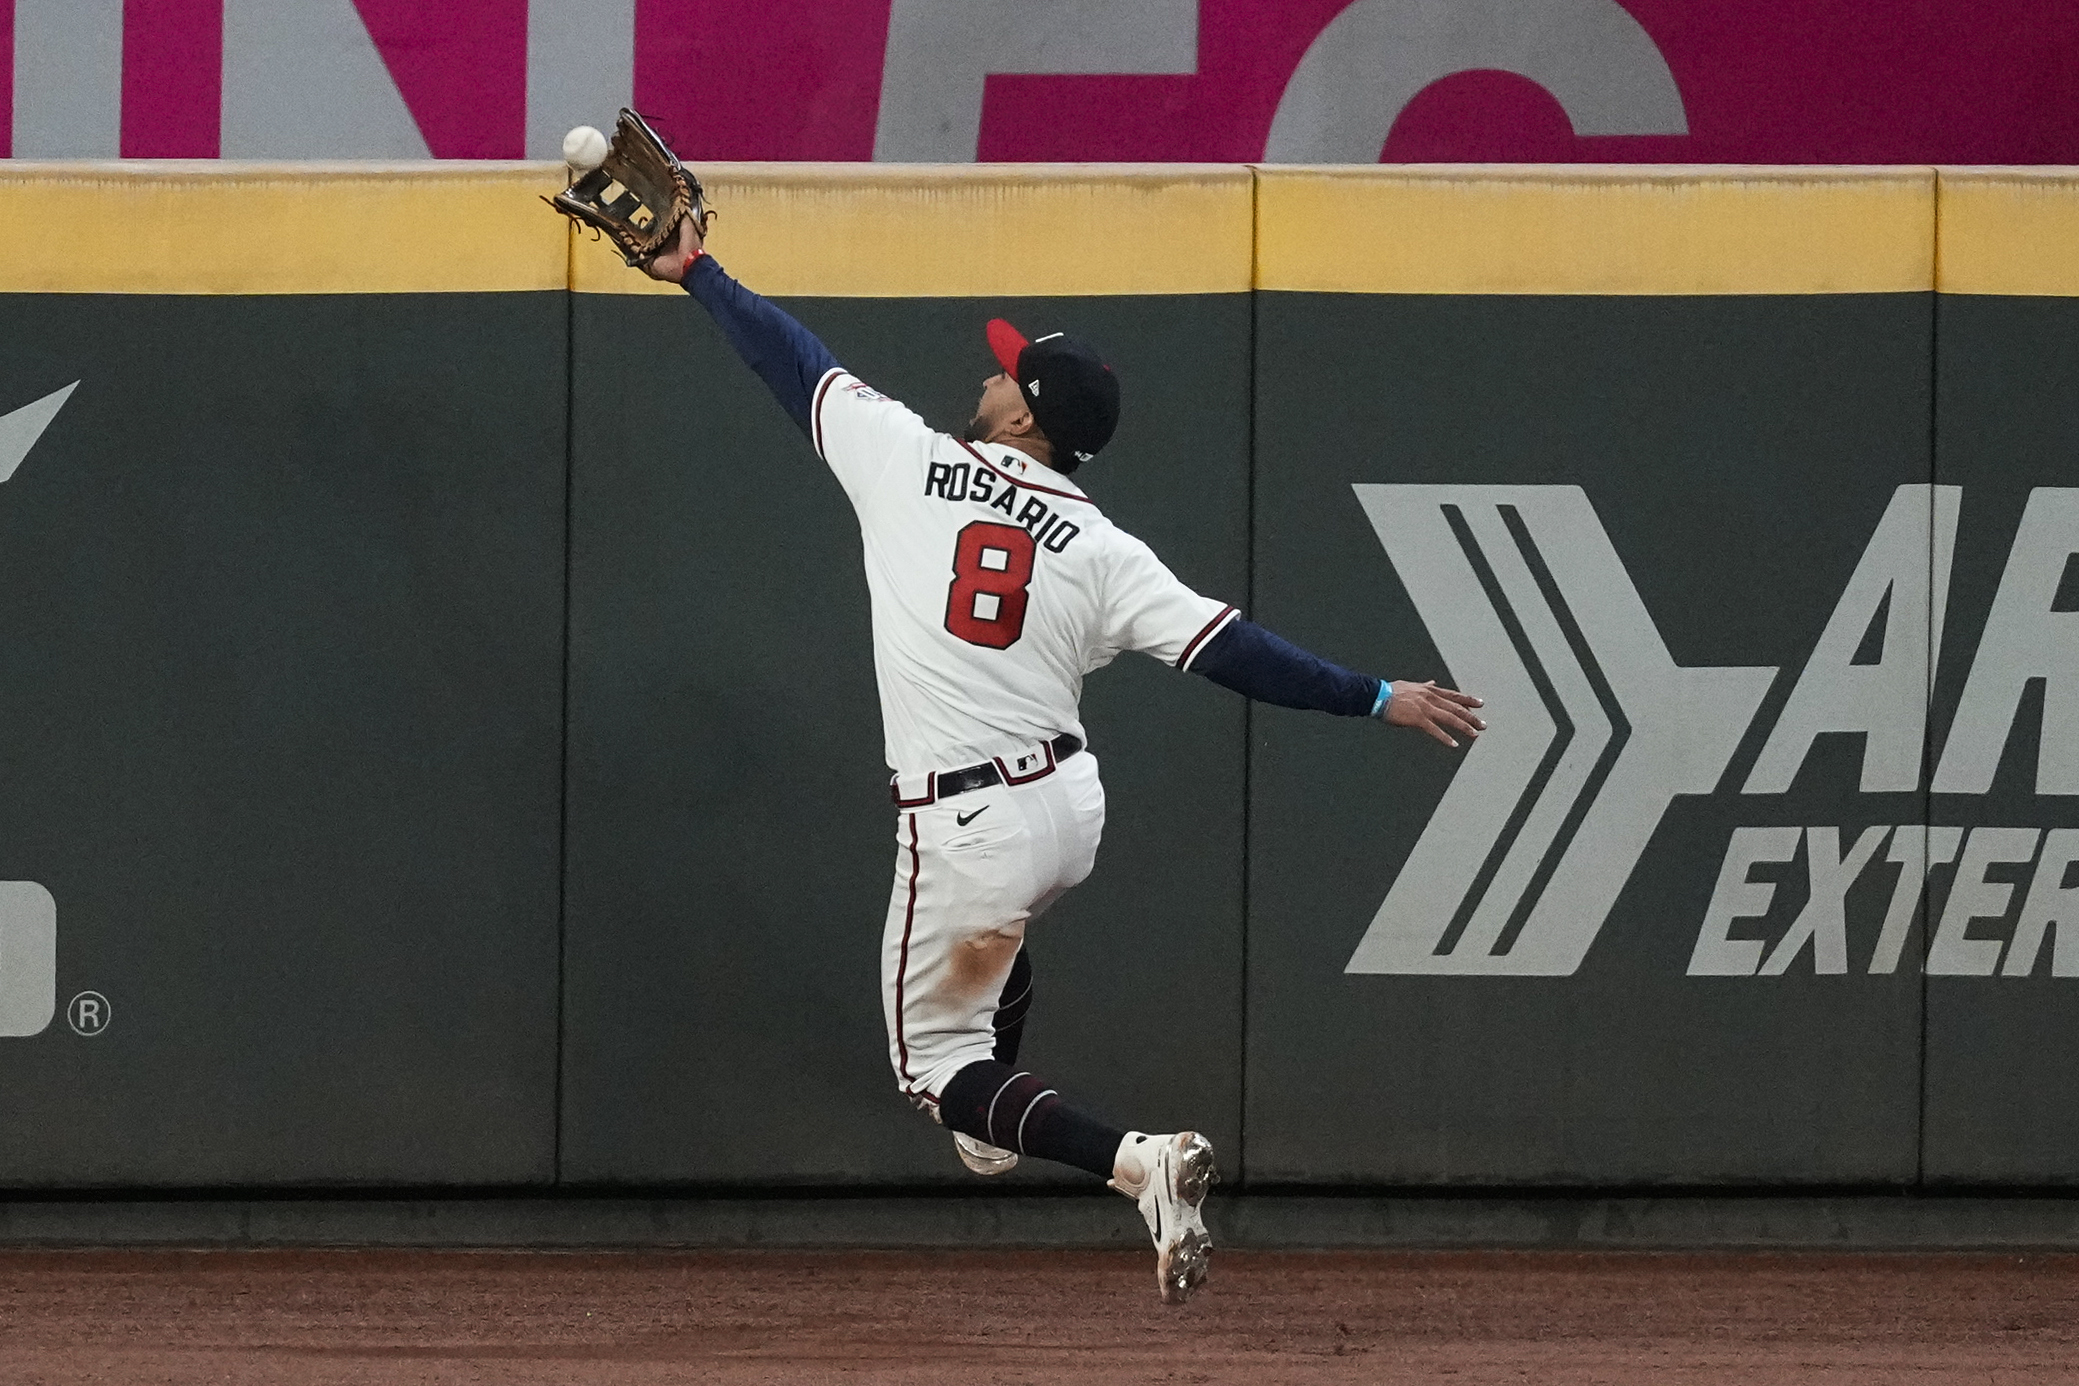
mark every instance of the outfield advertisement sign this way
{"type": "Point", "coordinates": [1599, 730]}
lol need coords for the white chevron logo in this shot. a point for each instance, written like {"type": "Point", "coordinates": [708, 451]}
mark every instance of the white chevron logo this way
{"type": "Point", "coordinates": [1593, 730]}
{"type": "Point", "coordinates": [20, 429]}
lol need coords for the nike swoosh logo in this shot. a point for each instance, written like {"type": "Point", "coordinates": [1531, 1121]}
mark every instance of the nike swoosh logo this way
{"type": "Point", "coordinates": [20, 429]}
{"type": "Point", "coordinates": [963, 821]}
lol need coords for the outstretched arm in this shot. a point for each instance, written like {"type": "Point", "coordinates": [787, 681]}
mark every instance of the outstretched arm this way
{"type": "Point", "coordinates": [785, 355]}
{"type": "Point", "coordinates": [1249, 660]}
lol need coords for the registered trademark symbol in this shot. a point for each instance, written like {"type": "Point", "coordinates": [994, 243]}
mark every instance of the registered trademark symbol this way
{"type": "Point", "coordinates": [88, 1014]}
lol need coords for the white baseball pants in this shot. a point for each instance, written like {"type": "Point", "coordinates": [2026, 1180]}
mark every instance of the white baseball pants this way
{"type": "Point", "coordinates": [970, 872]}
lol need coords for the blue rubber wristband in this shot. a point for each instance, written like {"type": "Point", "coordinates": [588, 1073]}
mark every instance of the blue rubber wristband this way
{"type": "Point", "coordinates": [1385, 695]}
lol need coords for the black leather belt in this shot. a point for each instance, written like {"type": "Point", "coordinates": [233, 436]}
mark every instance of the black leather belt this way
{"type": "Point", "coordinates": [944, 784]}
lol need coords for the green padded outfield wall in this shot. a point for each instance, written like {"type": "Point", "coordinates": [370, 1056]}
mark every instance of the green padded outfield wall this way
{"type": "Point", "coordinates": [441, 731]}
{"type": "Point", "coordinates": [2003, 989]}
{"type": "Point", "coordinates": [731, 839]}
{"type": "Point", "coordinates": [281, 625]}
{"type": "Point", "coordinates": [1684, 472]}
{"type": "Point", "coordinates": [1607, 448]}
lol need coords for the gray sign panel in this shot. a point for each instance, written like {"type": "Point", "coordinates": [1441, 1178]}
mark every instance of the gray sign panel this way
{"type": "Point", "coordinates": [1638, 934]}
{"type": "Point", "coordinates": [2003, 984]}
{"type": "Point", "coordinates": [280, 716]}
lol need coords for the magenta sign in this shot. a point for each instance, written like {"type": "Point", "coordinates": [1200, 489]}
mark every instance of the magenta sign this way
{"type": "Point", "coordinates": [1761, 81]}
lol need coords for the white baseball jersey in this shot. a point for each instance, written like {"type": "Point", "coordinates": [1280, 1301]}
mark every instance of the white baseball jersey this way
{"type": "Point", "coordinates": [996, 584]}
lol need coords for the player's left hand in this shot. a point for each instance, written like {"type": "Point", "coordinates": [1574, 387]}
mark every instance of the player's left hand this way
{"type": "Point", "coordinates": [671, 265]}
{"type": "Point", "coordinates": [1438, 711]}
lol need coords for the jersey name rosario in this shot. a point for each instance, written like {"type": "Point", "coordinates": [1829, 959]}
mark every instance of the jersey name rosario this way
{"type": "Point", "coordinates": [953, 482]}
{"type": "Point", "coordinates": [996, 584]}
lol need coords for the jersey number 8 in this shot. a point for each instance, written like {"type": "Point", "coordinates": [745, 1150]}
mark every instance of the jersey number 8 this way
{"type": "Point", "coordinates": [992, 567]}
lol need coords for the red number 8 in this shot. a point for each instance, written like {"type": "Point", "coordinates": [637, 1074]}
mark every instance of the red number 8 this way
{"type": "Point", "coordinates": [992, 566]}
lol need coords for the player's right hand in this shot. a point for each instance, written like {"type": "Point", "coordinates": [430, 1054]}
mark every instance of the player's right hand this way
{"type": "Point", "coordinates": [671, 265]}
{"type": "Point", "coordinates": [1438, 711]}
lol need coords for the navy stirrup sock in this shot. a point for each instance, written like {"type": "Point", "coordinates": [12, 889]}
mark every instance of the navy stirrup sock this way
{"type": "Point", "coordinates": [994, 1102]}
{"type": "Point", "coordinates": [1011, 1007]}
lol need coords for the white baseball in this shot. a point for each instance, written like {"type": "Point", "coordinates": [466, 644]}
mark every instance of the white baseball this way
{"type": "Point", "coordinates": [584, 149]}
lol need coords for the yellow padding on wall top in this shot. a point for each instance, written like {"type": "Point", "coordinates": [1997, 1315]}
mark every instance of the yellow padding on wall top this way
{"type": "Point", "coordinates": [906, 231]}
{"type": "Point", "coordinates": [891, 231]}
{"type": "Point", "coordinates": [2009, 231]}
{"type": "Point", "coordinates": [1605, 229]}
{"type": "Point", "coordinates": [209, 227]}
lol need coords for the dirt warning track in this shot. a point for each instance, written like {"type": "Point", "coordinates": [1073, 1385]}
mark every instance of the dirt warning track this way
{"type": "Point", "coordinates": [999, 1317]}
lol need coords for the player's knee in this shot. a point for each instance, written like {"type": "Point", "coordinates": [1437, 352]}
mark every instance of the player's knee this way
{"type": "Point", "coordinates": [981, 960]}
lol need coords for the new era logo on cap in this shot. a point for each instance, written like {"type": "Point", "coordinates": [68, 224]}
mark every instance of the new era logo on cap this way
{"type": "Point", "coordinates": [1075, 396]}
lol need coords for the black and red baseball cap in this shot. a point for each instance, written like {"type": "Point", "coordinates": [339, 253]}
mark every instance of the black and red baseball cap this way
{"type": "Point", "coordinates": [1072, 393]}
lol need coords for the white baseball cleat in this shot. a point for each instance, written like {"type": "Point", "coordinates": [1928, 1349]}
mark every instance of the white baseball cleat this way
{"type": "Point", "coordinates": [1168, 1176]}
{"type": "Point", "coordinates": [982, 1157]}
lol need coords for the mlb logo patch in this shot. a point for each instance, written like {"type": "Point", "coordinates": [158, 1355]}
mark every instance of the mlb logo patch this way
{"type": "Point", "coordinates": [1026, 766]}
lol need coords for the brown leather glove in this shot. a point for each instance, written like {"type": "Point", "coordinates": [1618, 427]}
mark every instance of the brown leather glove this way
{"type": "Point", "coordinates": [638, 195]}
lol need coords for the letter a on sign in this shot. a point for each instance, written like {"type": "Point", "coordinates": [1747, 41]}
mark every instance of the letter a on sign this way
{"type": "Point", "coordinates": [1887, 701]}
{"type": "Point", "coordinates": [2025, 638]}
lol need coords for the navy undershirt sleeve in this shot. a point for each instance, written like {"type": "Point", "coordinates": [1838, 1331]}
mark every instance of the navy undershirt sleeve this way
{"type": "Point", "coordinates": [1251, 661]}
{"type": "Point", "coordinates": [786, 355]}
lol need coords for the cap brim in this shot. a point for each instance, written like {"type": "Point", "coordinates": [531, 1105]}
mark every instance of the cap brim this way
{"type": "Point", "coordinates": [1007, 342]}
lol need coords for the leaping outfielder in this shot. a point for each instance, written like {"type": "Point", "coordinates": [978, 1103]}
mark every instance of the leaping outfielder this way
{"type": "Point", "coordinates": [997, 585]}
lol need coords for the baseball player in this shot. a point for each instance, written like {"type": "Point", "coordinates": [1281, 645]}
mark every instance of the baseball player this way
{"type": "Point", "coordinates": [996, 585]}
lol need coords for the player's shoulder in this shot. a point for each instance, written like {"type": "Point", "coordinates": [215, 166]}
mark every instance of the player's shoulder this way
{"type": "Point", "coordinates": [838, 378]}
{"type": "Point", "coordinates": [847, 413]}
{"type": "Point", "coordinates": [839, 388]}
